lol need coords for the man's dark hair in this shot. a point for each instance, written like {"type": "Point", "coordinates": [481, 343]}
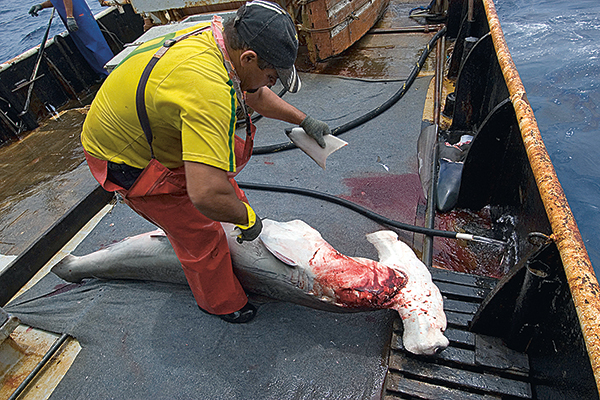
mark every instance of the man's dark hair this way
{"type": "Point", "coordinates": [237, 43]}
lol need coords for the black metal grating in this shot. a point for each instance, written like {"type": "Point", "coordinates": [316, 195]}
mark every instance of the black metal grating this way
{"type": "Point", "coordinates": [473, 367]}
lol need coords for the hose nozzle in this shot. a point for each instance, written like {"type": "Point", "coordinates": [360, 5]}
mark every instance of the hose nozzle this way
{"type": "Point", "coordinates": [480, 239]}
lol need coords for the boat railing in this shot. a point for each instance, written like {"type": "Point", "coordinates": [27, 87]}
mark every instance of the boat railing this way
{"type": "Point", "coordinates": [565, 233]}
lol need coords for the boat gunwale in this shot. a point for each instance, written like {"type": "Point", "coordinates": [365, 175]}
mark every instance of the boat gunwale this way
{"type": "Point", "coordinates": [581, 278]}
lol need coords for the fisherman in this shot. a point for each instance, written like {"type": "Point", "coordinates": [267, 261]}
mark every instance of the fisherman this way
{"type": "Point", "coordinates": [161, 132]}
{"type": "Point", "coordinates": [83, 29]}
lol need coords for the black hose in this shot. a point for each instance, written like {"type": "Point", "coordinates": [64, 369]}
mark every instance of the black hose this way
{"type": "Point", "coordinates": [367, 213]}
{"type": "Point", "coordinates": [373, 113]}
{"type": "Point", "coordinates": [348, 204]}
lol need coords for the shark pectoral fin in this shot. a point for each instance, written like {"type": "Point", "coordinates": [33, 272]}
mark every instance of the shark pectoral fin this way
{"type": "Point", "coordinates": [279, 247]}
{"type": "Point", "coordinates": [283, 258]}
{"type": "Point", "coordinates": [293, 242]}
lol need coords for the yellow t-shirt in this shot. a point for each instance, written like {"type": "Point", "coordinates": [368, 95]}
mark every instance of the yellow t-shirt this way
{"type": "Point", "coordinates": [190, 102]}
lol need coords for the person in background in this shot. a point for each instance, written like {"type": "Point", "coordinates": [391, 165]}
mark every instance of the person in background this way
{"type": "Point", "coordinates": [161, 132]}
{"type": "Point", "coordinates": [84, 30]}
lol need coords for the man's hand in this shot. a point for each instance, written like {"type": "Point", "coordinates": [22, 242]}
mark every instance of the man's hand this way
{"type": "Point", "coordinates": [252, 229]}
{"type": "Point", "coordinates": [71, 24]}
{"type": "Point", "coordinates": [315, 129]}
{"type": "Point", "coordinates": [33, 11]}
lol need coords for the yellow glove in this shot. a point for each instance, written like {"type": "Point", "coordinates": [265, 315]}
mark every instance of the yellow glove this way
{"type": "Point", "coordinates": [252, 229]}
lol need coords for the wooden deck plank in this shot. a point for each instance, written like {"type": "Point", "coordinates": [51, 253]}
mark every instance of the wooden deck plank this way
{"type": "Point", "coordinates": [423, 390]}
{"type": "Point", "coordinates": [465, 338]}
{"type": "Point", "coordinates": [458, 319]}
{"type": "Point", "coordinates": [489, 352]}
{"type": "Point", "coordinates": [443, 275]}
{"type": "Point", "coordinates": [452, 354]}
{"type": "Point", "coordinates": [460, 306]}
{"type": "Point", "coordinates": [443, 374]}
{"type": "Point", "coordinates": [463, 292]}
{"type": "Point", "coordinates": [492, 352]}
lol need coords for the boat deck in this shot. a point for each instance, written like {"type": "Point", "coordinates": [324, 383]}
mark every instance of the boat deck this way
{"type": "Point", "coordinates": [131, 332]}
{"type": "Point", "coordinates": [143, 339]}
{"type": "Point", "coordinates": [288, 350]}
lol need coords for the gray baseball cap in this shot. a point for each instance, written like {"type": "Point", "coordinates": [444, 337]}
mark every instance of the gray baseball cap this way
{"type": "Point", "coordinates": [269, 31]}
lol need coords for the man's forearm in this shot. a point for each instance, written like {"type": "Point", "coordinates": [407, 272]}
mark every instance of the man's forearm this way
{"type": "Point", "coordinates": [211, 192]}
{"type": "Point", "coordinates": [268, 104]}
{"type": "Point", "coordinates": [68, 8]}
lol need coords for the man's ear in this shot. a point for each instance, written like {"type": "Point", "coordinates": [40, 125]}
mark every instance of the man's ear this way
{"type": "Point", "coordinates": [247, 57]}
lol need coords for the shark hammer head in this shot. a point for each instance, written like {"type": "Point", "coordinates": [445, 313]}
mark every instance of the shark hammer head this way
{"type": "Point", "coordinates": [419, 303]}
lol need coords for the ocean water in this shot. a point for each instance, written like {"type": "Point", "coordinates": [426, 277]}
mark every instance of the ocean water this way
{"type": "Point", "coordinates": [19, 31]}
{"type": "Point", "coordinates": [556, 47]}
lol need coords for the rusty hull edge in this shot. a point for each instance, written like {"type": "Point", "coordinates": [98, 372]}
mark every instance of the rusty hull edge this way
{"type": "Point", "coordinates": [577, 265]}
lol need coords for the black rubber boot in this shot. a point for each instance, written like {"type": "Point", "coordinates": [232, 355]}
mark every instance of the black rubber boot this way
{"type": "Point", "coordinates": [243, 315]}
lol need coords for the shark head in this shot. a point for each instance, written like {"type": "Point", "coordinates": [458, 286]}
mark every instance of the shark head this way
{"type": "Point", "coordinates": [424, 327]}
{"type": "Point", "coordinates": [419, 303]}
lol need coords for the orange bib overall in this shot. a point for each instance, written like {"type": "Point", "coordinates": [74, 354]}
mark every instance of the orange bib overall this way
{"type": "Point", "coordinates": [159, 195]}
